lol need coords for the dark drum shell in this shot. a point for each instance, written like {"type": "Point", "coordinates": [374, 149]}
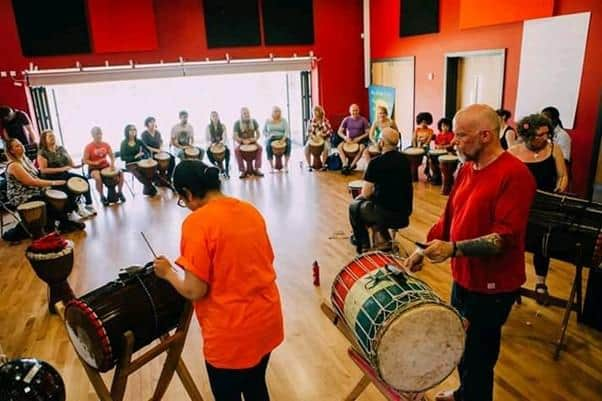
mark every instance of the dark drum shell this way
{"type": "Point", "coordinates": [97, 321]}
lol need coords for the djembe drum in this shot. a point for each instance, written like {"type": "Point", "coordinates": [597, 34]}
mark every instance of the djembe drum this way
{"type": "Point", "coordinates": [411, 338]}
{"type": "Point", "coordinates": [29, 379]}
{"type": "Point", "coordinates": [218, 150]}
{"type": "Point", "coordinates": [355, 188]}
{"type": "Point", "coordinates": [51, 257]}
{"type": "Point", "coordinates": [56, 199]}
{"type": "Point", "coordinates": [192, 153]}
{"type": "Point", "coordinates": [110, 179]}
{"type": "Point", "coordinates": [434, 155]}
{"type": "Point", "coordinates": [249, 153]}
{"type": "Point", "coordinates": [415, 156]}
{"type": "Point", "coordinates": [162, 159]}
{"type": "Point", "coordinates": [448, 165]}
{"type": "Point", "coordinates": [33, 216]}
{"type": "Point", "coordinates": [278, 149]}
{"type": "Point", "coordinates": [373, 151]}
{"type": "Point", "coordinates": [138, 301]}
{"type": "Point", "coordinates": [316, 148]}
{"type": "Point", "coordinates": [77, 185]}
{"type": "Point", "coordinates": [147, 169]}
{"type": "Point", "coordinates": [351, 150]}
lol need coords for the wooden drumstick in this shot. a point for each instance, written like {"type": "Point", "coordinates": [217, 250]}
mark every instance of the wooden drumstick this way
{"type": "Point", "coordinates": [148, 244]}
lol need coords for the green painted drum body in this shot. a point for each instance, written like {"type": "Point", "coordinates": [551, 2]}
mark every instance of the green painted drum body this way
{"type": "Point", "coordinates": [411, 338]}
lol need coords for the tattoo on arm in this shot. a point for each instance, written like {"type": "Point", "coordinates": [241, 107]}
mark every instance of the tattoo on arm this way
{"type": "Point", "coordinates": [487, 245]}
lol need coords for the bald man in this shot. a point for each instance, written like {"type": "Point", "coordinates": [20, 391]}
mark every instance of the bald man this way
{"type": "Point", "coordinates": [353, 129]}
{"type": "Point", "coordinates": [386, 197]}
{"type": "Point", "coordinates": [483, 231]}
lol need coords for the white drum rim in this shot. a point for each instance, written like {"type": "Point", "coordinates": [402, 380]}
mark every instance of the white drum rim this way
{"type": "Point", "coordinates": [217, 148]}
{"type": "Point", "coordinates": [278, 144]}
{"type": "Point", "coordinates": [191, 151]}
{"type": "Point", "coordinates": [30, 205]}
{"type": "Point", "coordinates": [162, 156]}
{"type": "Point", "coordinates": [448, 368]}
{"type": "Point", "coordinates": [146, 163]}
{"type": "Point", "coordinates": [317, 142]}
{"type": "Point", "coordinates": [355, 184]}
{"type": "Point", "coordinates": [354, 147]}
{"type": "Point", "coordinates": [438, 152]}
{"type": "Point", "coordinates": [450, 158]}
{"type": "Point", "coordinates": [77, 184]}
{"type": "Point", "coordinates": [414, 151]}
{"type": "Point", "coordinates": [250, 147]}
{"type": "Point", "coordinates": [56, 194]}
{"type": "Point", "coordinates": [109, 172]}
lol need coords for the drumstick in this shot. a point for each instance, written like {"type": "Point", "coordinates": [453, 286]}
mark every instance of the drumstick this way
{"type": "Point", "coordinates": [148, 244]}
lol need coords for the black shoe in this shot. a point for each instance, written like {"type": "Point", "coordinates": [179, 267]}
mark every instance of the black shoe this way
{"type": "Point", "coordinates": [542, 296]}
{"type": "Point", "coordinates": [243, 175]}
{"type": "Point", "coordinates": [149, 190]}
{"type": "Point", "coordinates": [310, 169]}
{"type": "Point", "coordinates": [68, 226]}
{"type": "Point", "coordinates": [352, 240]}
{"type": "Point", "coordinates": [121, 197]}
{"type": "Point", "coordinates": [104, 201]}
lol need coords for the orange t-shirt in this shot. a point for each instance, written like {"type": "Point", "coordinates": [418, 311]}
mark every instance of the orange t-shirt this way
{"type": "Point", "coordinates": [225, 243]}
{"type": "Point", "coordinates": [98, 152]}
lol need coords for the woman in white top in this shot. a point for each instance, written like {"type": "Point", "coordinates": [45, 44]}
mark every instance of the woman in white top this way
{"type": "Point", "coordinates": [277, 129]}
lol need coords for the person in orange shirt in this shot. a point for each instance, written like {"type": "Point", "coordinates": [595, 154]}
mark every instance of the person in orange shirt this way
{"type": "Point", "coordinates": [229, 275]}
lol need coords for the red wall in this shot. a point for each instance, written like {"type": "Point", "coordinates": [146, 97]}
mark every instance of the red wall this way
{"type": "Point", "coordinates": [181, 31]}
{"type": "Point", "coordinates": [429, 51]}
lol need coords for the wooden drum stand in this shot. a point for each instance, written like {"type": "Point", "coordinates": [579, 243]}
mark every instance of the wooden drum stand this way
{"type": "Point", "coordinates": [172, 344]}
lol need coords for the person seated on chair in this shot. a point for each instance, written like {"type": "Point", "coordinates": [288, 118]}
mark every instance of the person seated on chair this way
{"type": "Point", "coordinates": [277, 129]}
{"type": "Point", "coordinates": [546, 163]}
{"type": "Point", "coordinates": [387, 195]}
{"type": "Point", "coordinates": [382, 121]}
{"type": "Point", "coordinates": [319, 127]}
{"type": "Point", "coordinates": [353, 129]}
{"type": "Point", "coordinates": [443, 140]}
{"type": "Point", "coordinates": [25, 185]}
{"type": "Point", "coordinates": [17, 124]}
{"type": "Point", "coordinates": [423, 135]}
{"type": "Point", "coordinates": [182, 136]}
{"type": "Point", "coordinates": [131, 151]}
{"type": "Point", "coordinates": [246, 131]}
{"type": "Point", "coordinates": [153, 141]}
{"type": "Point", "coordinates": [230, 279]}
{"type": "Point", "coordinates": [97, 156]}
{"type": "Point", "coordinates": [216, 134]}
{"type": "Point", "coordinates": [55, 163]}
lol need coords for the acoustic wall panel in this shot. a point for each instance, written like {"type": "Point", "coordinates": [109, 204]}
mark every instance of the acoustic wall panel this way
{"type": "Point", "coordinates": [475, 13]}
{"type": "Point", "coordinates": [418, 17]}
{"type": "Point", "coordinates": [551, 64]}
{"type": "Point", "coordinates": [288, 22]}
{"type": "Point", "coordinates": [50, 28]}
{"type": "Point", "coordinates": [231, 23]}
{"type": "Point", "coordinates": [122, 26]}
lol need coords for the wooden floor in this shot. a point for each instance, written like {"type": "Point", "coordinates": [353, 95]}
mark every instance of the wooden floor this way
{"type": "Point", "coordinates": [303, 210]}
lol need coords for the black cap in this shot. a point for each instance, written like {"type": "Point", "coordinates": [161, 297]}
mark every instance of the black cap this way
{"type": "Point", "coordinates": [196, 177]}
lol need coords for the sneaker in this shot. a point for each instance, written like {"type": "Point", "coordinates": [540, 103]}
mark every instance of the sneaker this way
{"type": "Point", "coordinates": [258, 173]}
{"type": "Point", "coordinates": [542, 296]}
{"type": "Point", "coordinates": [243, 175]}
{"type": "Point", "coordinates": [104, 201]}
{"type": "Point", "coordinates": [82, 212]}
{"type": "Point", "coordinates": [91, 210]}
{"type": "Point", "coordinates": [121, 197]}
{"type": "Point", "coordinates": [310, 169]}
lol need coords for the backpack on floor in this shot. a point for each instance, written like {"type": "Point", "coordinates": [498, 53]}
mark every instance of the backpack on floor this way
{"type": "Point", "coordinates": [334, 162]}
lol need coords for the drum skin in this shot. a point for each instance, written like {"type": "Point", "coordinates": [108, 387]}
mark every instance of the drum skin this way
{"type": "Point", "coordinates": [412, 339]}
{"type": "Point", "coordinates": [144, 304]}
{"type": "Point", "coordinates": [415, 156]}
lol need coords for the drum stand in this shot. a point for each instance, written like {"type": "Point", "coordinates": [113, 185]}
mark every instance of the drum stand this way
{"type": "Point", "coordinates": [368, 373]}
{"type": "Point", "coordinates": [574, 303]}
{"type": "Point", "coordinates": [172, 344]}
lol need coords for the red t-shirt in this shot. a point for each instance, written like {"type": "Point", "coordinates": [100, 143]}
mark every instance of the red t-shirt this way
{"type": "Point", "coordinates": [444, 138]}
{"type": "Point", "coordinates": [495, 199]}
{"type": "Point", "coordinates": [98, 152]}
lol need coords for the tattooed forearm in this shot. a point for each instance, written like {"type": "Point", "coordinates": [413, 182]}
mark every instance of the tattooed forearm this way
{"type": "Point", "coordinates": [487, 245]}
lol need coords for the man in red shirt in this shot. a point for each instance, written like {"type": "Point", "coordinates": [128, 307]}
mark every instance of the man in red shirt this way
{"type": "Point", "coordinates": [483, 231]}
{"type": "Point", "coordinates": [97, 156]}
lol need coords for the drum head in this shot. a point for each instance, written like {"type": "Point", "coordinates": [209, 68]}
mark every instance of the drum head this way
{"type": "Point", "coordinates": [77, 185]}
{"type": "Point", "coordinates": [448, 158]}
{"type": "Point", "coordinates": [351, 147]}
{"type": "Point", "coordinates": [251, 147]}
{"type": "Point", "coordinates": [421, 347]}
{"type": "Point", "coordinates": [162, 156]}
{"type": "Point", "coordinates": [31, 205]}
{"type": "Point", "coordinates": [109, 172]}
{"type": "Point", "coordinates": [191, 152]}
{"type": "Point", "coordinates": [55, 194]}
{"type": "Point", "coordinates": [437, 152]}
{"type": "Point", "coordinates": [29, 379]}
{"type": "Point", "coordinates": [278, 144]}
{"type": "Point", "coordinates": [373, 149]}
{"type": "Point", "coordinates": [218, 148]}
{"type": "Point", "coordinates": [88, 336]}
{"type": "Point", "coordinates": [316, 142]}
{"type": "Point", "coordinates": [414, 151]}
{"type": "Point", "coordinates": [147, 163]}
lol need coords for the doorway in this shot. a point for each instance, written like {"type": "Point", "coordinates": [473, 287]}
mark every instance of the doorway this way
{"type": "Point", "coordinates": [473, 77]}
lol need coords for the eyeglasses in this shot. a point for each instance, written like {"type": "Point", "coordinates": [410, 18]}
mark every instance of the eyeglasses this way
{"type": "Point", "coordinates": [181, 201]}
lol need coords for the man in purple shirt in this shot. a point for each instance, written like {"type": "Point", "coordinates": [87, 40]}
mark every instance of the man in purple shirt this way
{"type": "Point", "coordinates": [353, 129]}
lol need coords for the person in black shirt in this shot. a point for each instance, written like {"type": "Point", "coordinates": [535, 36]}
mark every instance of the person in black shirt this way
{"type": "Point", "coordinates": [152, 140]}
{"type": "Point", "coordinates": [16, 124]}
{"type": "Point", "coordinates": [386, 198]}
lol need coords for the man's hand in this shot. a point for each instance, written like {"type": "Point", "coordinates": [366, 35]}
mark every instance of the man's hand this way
{"type": "Point", "coordinates": [414, 262]}
{"type": "Point", "coordinates": [438, 251]}
{"type": "Point", "coordinates": [162, 267]}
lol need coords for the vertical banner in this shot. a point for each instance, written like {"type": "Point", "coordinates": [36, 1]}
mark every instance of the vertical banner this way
{"type": "Point", "coordinates": [381, 96]}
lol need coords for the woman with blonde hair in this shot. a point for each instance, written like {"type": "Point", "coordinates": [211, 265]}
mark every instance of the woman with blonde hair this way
{"type": "Point", "coordinates": [319, 128]}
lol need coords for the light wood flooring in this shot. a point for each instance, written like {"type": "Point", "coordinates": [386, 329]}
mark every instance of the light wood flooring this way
{"type": "Point", "coordinates": [303, 210]}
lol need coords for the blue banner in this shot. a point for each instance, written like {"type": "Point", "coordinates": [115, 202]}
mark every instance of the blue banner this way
{"type": "Point", "coordinates": [381, 96]}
